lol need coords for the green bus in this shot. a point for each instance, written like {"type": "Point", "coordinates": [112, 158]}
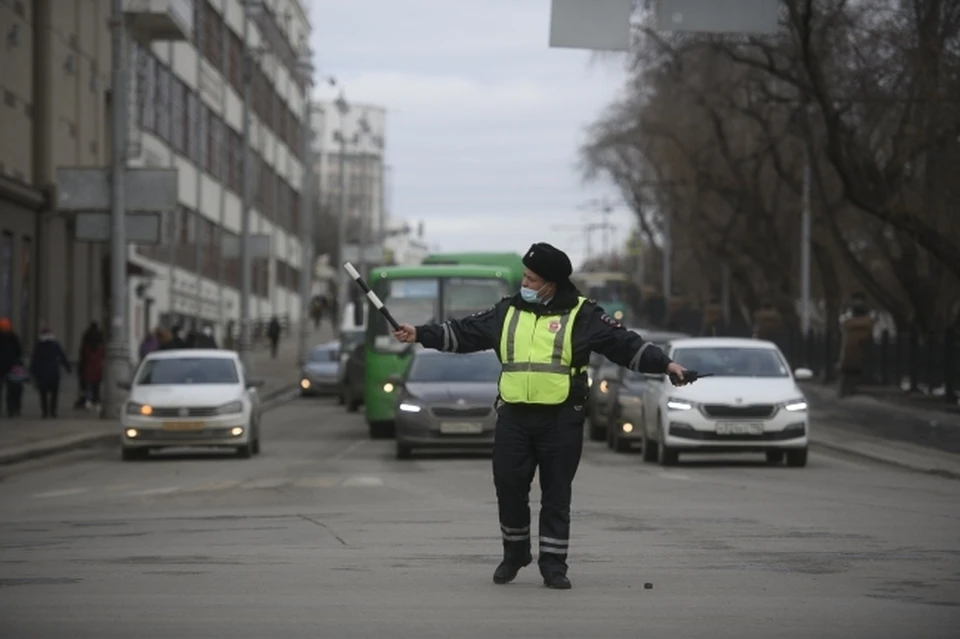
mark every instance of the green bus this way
{"type": "Point", "coordinates": [609, 289]}
{"type": "Point", "coordinates": [418, 295]}
{"type": "Point", "coordinates": [511, 262]}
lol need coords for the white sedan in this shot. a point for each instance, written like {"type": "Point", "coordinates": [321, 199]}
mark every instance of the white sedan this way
{"type": "Point", "coordinates": [750, 403]}
{"type": "Point", "coordinates": [194, 397]}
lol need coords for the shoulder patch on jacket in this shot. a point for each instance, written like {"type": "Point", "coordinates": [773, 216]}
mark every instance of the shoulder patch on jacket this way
{"type": "Point", "coordinates": [609, 320]}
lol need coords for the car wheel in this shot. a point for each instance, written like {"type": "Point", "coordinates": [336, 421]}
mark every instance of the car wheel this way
{"type": "Point", "coordinates": [352, 404]}
{"type": "Point", "coordinates": [666, 455]}
{"type": "Point", "coordinates": [128, 453]}
{"type": "Point", "coordinates": [404, 451]}
{"type": "Point", "coordinates": [649, 446]}
{"type": "Point", "coordinates": [797, 458]}
{"type": "Point", "coordinates": [381, 430]}
{"type": "Point", "coordinates": [244, 451]}
{"type": "Point", "coordinates": [597, 433]}
{"type": "Point", "coordinates": [620, 444]}
{"type": "Point", "coordinates": [774, 456]}
{"type": "Point", "coordinates": [255, 445]}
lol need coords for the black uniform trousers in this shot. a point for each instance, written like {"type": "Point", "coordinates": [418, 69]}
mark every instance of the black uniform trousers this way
{"type": "Point", "coordinates": [528, 437]}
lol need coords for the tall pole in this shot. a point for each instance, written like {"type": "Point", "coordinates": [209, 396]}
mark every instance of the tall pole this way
{"type": "Point", "coordinates": [306, 219]}
{"type": "Point", "coordinates": [342, 228]}
{"type": "Point", "coordinates": [667, 256]}
{"type": "Point", "coordinates": [243, 347]}
{"type": "Point", "coordinates": [365, 209]}
{"type": "Point", "coordinates": [805, 231]}
{"type": "Point", "coordinates": [117, 368]}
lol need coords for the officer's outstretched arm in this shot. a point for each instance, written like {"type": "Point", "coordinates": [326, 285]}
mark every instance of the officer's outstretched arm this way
{"type": "Point", "coordinates": [626, 348]}
{"type": "Point", "coordinates": [477, 332]}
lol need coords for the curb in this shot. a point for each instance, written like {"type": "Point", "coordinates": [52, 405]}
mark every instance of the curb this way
{"type": "Point", "coordinates": [67, 443]}
{"type": "Point", "coordinates": [898, 455]}
{"type": "Point", "coordinates": [59, 445]}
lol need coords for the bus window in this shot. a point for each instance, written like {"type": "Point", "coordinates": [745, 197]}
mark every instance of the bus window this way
{"type": "Point", "coordinates": [466, 296]}
{"type": "Point", "coordinates": [411, 301]}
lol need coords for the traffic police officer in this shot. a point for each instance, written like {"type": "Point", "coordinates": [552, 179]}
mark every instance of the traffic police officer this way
{"type": "Point", "coordinates": [544, 336]}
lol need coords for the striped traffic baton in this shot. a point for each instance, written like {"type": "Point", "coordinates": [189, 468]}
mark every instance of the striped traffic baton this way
{"type": "Point", "coordinates": [371, 295]}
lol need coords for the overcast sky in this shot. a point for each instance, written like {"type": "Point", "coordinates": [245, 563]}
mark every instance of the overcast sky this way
{"type": "Point", "coordinates": [483, 118]}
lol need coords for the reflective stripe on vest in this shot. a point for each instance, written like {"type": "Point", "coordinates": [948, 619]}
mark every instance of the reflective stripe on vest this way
{"type": "Point", "coordinates": [537, 353]}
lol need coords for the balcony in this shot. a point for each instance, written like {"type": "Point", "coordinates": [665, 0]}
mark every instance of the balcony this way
{"type": "Point", "coordinates": [150, 20]}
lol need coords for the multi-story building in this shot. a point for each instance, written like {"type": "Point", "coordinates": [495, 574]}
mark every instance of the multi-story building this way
{"type": "Point", "coordinates": [358, 133]}
{"type": "Point", "coordinates": [185, 107]}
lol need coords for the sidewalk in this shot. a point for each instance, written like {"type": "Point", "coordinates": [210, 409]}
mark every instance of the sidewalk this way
{"type": "Point", "coordinates": [919, 439]}
{"type": "Point", "coordinates": [29, 436]}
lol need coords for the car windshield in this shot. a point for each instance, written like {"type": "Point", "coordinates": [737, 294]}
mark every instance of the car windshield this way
{"type": "Point", "coordinates": [450, 367]}
{"type": "Point", "coordinates": [732, 361]}
{"type": "Point", "coordinates": [411, 301]}
{"type": "Point", "coordinates": [324, 354]}
{"type": "Point", "coordinates": [465, 296]}
{"type": "Point", "coordinates": [188, 370]}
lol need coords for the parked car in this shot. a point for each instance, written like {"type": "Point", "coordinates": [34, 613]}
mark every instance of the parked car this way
{"type": "Point", "coordinates": [354, 378]}
{"type": "Point", "coordinates": [626, 392]}
{"type": "Point", "coordinates": [447, 400]}
{"type": "Point", "coordinates": [751, 403]}
{"type": "Point", "coordinates": [194, 397]}
{"type": "Point", "coordinates": [320, 374]}
{"type": "Point", "coordinates": [348, 340]}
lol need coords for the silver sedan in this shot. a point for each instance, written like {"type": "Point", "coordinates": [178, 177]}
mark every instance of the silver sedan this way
{"type": "Point", "coordinates": [447, 401]}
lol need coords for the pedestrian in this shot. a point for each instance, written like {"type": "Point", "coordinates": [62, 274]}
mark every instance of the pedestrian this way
{"type": "Point", "coordinates": [176, 340]}
{"type": "Point", "coordinates": [150, 343]}
{"type": "Point", "coordinates": [205, 339]}
{"type": "Point", "coordinates": [45, 363]}
{"type": "Point", "coordinates": [273, 334]}
{"type": "Point", "coordinates": [92, 360]}
{"type": "Point", "coordinates": [11, 354]}
{"type": "Point", "coordinates": [543, 336]}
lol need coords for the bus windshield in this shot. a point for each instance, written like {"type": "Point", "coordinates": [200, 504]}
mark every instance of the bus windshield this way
{"type": "Point", "coordinates": [416, 301]}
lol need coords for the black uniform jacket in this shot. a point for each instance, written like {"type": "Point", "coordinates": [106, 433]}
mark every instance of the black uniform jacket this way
{"type": "Point", "coordinates": [593, 332]}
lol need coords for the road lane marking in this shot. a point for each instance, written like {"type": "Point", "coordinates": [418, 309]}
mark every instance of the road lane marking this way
{"type": "Point", "coordinates": [154, 491]}
{"type": "Point", "coordinates": [363, 480]}
{"type": "Point", "coordinates": [60, 493]}
{"type": "Point", "coordinates": [267, 482]}
{"type": "Point", "coordinates": [325, 481]}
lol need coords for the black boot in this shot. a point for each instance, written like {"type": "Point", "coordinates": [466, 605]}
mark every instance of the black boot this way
{"type": "Point", "coordinates": [556, 581]}
{"type": "Point", "coordinates": [508, 569]}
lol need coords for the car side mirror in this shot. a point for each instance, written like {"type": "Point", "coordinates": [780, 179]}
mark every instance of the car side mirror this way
{"type": "Point", "coordinates": [124, 385]}
{"type": "Point", "coordinates": [803, 374]}
{"type": "Point", "coordinates": [254, 382]}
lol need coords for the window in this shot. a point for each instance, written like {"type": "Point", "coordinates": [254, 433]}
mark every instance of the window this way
{"type": "Point", "coordinates": [411, 301]}
{"type": "Point", "coordinates": [449, 367]}
{"type": "Point", "coordinates": [733, 361]}
{"type": "Point", "coordinates": [463, 296]}
{"type": "Point", "coordinates": [210, 148]}
{"type": "Point", "coordinates": [147, 69]}
{"type": "Point", "coordinates": [197, 130]}
{"type": "Point", "coordinates": [178, 115]}
{"type": "Point", "coordinates": [235, 72]}
{"type": "Point", "coordinates": [162, 112]}
{"type": "Point", "coordinates": [213, 27]}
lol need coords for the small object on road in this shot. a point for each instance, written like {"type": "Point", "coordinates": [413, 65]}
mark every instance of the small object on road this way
{"type": "Point", "coordinates": [648, 586]}
{"type": "Point", "coordinates": [371, 295]}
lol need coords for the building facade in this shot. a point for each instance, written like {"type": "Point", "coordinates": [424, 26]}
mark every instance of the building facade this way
{"type": "Point", "coordinates": [358, 133]}
{"type": "Point", "coordinates": [185, 112]}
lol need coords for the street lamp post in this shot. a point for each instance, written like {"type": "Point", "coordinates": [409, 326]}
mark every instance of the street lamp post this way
{"type": "Point", "coordinates": [343, 108]}
{"type": "Point", "coordinates": [243, 346]}
{"type": "Point", "coordinates": [117, 357]}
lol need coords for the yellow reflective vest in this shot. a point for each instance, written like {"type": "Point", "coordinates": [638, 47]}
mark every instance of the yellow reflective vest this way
{"type": "Point", "coordinates": [537, 354]}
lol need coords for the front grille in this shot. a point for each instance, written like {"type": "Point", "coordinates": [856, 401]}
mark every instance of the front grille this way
{"type": "Point", "coordinates": [466, 411]}
{"type": "Point", "coordinates": [194, 411]}
{"type": "Point", "coordinates": [728, 411]}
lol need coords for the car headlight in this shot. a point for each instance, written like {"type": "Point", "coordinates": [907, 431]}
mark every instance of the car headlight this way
{"type": "Point", "coordinates": [604, 387]}
{"type": "Point", "coordinates": [795, 405]}
{"type": "Point", "coordinates": [678, 404]}
{"type": "Point", "coordinates": [231, 408]}
{"type": "Point", "coordinates": [589, 381]}
{"type": "Point", "coordinates": [410, 407]}
{"type": "Point", "coordinates": [134, 408]}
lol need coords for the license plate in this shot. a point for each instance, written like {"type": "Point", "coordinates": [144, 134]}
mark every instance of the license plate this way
{"type": "Point", "coordinates": [461, 428]}
{"type": "Point", "coordinates": [183, 426]}
{"type": "Point", "coordinates": [728, 428]}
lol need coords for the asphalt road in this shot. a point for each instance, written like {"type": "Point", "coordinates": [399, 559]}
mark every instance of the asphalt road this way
{"type": "Point", "coordinates": [326, 535]}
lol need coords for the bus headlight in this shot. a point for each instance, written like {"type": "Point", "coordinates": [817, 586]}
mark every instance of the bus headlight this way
{"type": "Point", "coordinates": [388, 388]}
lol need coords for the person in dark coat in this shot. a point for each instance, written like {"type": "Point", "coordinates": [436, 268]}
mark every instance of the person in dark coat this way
{"type": "Point", "coordinates": [93, 353]}
{"type": "Point", "coordinates": [273, 334]}
{"type": "Point", "coordinates": [205, 339]}
{"type": "Point", "coordinates": [47, 359]}
{"type": "Point", "coordinates": [11, 352]}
